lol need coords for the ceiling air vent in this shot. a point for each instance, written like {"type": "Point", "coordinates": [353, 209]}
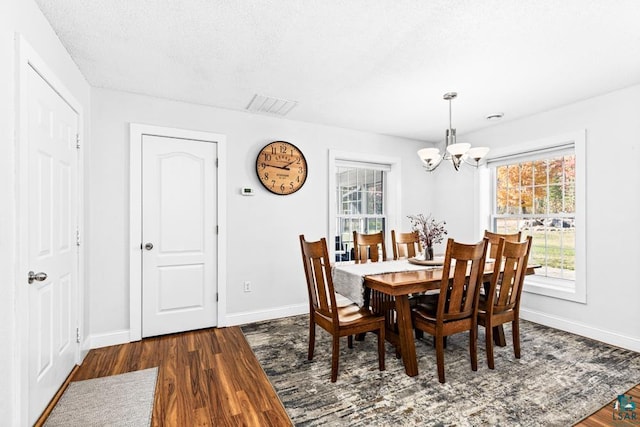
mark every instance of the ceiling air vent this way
{"type": "Point", "coordinates": [266, 104]}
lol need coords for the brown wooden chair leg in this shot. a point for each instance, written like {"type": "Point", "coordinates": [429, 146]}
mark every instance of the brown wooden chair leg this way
{"type": "Point", "coordinates": [350, 341]}
{"type": "Point", "coordinates": [335, 354]}
{"type": "Point", "coordinates": [440, 357]}
{"type": "Point", "coordinates": [515, 330]}
{"type": "Point", "coordinates": [312, 339]}
{"type": "Point", "coordinates": [473, 347]}
{"type": "Point", "coordinates": [367, 303]}
{"type": "Point", "coordinates": [444, 341]}
{"type": "Point", "coordinates": [381, 349]}
{"type": "Point", "coordinates": [419, 333]}
{"type": "Point", "coordinates": [489, 344]}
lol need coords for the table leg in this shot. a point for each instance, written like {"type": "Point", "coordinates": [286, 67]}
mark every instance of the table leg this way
{"type": "Point", "coordinates": [498, 336]}
{"type": "Point", "coordinates": [405, 329]}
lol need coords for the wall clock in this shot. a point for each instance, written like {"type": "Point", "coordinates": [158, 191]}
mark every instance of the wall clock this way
{"type": "Point", "coordinates": [281, 167]}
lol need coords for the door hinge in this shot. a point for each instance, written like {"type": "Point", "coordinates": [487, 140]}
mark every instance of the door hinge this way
{"type": "Point", "coordinates": [78, 335]}
{"type": "Point", "coordinates": [216, 162]}
{"type": "Point", "coordinates": [216, 297]}
{"type": "Point", "coordinates": [217, 229]}
{"type": "Point", "coordinates": [77, 140]}
{"type": "Point", "coordinates": [77, 237]}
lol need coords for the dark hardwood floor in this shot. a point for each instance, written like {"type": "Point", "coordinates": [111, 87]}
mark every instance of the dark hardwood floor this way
{"type": "Point", "coordinates": [210, 377]}
{"type": "Point", "coordinates": [607, 417]}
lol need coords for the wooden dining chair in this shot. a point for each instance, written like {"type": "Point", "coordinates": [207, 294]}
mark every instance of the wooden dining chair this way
{"type": "Point", "coordinates": [502, 302]}
{"type": "Point", "coordinates": [405, 245]}
{"type": "Point", "coordinates": [367, 247]}
{"type": "Point", "coordinates": [494, 239]}
{"type": "Point", "coordinates": [323, 311]}
{"type": "Point", "coordinates": [457, 308]}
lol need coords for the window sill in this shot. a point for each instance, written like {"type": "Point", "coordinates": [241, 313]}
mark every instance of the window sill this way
{"type": "Point", "coordinates": [555, 288]}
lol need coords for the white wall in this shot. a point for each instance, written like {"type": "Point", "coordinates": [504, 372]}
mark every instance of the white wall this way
{"type": "Point", "coordinates": [262, 229]}
{"type": "Point", "coordinates": [24, 17]}
{"type": "Point", "coordinates": [453, 201]}
{"type": "Point", "coordinates": [611, 121]}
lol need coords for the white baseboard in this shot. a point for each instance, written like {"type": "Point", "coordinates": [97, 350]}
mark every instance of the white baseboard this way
{"type": "Point", "coordinates": [110, 338]}
{"type": "Point", "coordinates": [258, 316]}
{"type": "Point", "coordinates": [84, 348]}
{"type": "Point", "coordinates": [123, 336]}
{"type": "Point", "coordinates": [606, 336]}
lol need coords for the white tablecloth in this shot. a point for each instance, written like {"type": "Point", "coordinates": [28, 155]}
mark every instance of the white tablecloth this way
{"type": "Point", "coordinates": [348, 279]}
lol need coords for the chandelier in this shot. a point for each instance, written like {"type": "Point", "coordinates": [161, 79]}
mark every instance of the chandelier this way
{"type": "Point", "coordinates": [457, 152]}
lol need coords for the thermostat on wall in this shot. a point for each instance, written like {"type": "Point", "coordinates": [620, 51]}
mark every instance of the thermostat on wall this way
{"type": "Point", "coordinates": [246, 191]}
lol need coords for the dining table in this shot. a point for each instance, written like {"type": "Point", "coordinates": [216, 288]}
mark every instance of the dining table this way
{"type": "Point", "coordinates": [392, 283]}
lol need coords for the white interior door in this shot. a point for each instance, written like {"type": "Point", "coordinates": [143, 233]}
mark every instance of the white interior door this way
{"type": "Point", "coordinates": [52, 249]}
{"type": "Point", "coordinates": [178, 235]}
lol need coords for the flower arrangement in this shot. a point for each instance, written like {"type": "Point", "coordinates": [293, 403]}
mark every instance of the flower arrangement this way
{"type": "Point", "coordinates": [429, 230]}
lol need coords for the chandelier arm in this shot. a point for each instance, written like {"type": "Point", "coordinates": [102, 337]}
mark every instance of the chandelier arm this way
{"type": "Point", "coordinates": [432, 168]}
{"type": "Point", "coordinates": [457, 161]}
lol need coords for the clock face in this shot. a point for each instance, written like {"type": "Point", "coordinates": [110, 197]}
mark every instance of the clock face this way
{"type": "Point", "coordinates": [281, 167]}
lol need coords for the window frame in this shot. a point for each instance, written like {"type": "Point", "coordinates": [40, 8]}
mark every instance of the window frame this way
{"type": "Point", "coordinates": [391, 187]}
{"type": "Point", "coordinates": [358, 202]}
{"type": "Point", "coordinates": [547, 286]}
{"type": "Point", "coordinates": [561, 151]}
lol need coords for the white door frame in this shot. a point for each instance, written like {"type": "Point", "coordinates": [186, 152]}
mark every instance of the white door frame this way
{"type": "Point", "coordinates": [27, 59]}
{"type": "Point", "coordinates": [136, 131]}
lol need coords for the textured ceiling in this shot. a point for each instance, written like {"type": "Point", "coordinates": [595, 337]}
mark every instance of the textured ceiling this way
{"type": "Point", "coordinates": [375, 65]}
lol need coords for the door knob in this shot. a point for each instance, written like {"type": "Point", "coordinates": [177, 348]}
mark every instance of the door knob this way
{"type": "Point", "coordinates": [40, 277]}
{"type": "Point", "coordinates": [148, 246]}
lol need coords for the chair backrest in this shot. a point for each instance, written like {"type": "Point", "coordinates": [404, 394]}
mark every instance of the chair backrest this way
{"type": "Point", "coordinates": [405, 245]}
{"type": "Point", "coordinates": [368, 247]}
{"type": "Point", "coordinates": [494, 238]}
{"type": "Point", "coordinates": [508, 275]}
{"type": "Point", "coordinates": [462, 289]}
{"type": "Point", "coordinates": [317, 270]}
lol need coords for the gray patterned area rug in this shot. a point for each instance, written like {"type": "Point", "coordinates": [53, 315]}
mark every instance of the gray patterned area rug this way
{"type": "Point", "coordinates": [116, 400]}
{"type": "Point", "coordinates": [560, 379]}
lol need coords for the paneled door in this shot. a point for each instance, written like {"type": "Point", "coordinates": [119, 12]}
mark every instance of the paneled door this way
{"type": "Point", "coordinates": [52, 250]}
{"type": "Point", "coordinates": [178, 235]}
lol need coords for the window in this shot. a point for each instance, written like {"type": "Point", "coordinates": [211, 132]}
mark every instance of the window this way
{"type": "Point", "coordinates": [538, 188]}
{"type": "Point", "coordinates": [360, 207]}
{"type": "Point", "coordinates": [364, 195]}
{"type": "Point", "coordinates": [538, 197]}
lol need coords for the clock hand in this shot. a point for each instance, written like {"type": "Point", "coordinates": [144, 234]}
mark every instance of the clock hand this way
{"type": "Point", "coordinates": [289, 164]}
{"type": "Point", "coordinates": [277, 167]}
